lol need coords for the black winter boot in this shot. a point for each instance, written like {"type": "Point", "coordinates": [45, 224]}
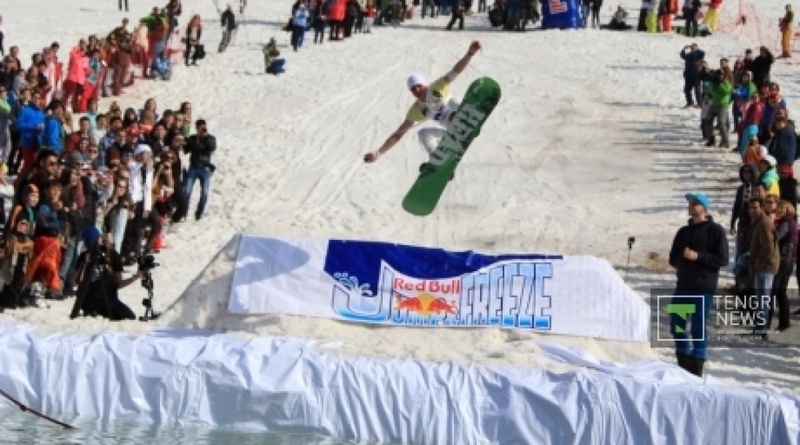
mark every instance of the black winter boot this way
{"type": "Point", "coordinates": [695, 365]}
{"type": "Point", "coordinates": [683, 362]}
{"type": "Point", "coordinates": [698, 366]}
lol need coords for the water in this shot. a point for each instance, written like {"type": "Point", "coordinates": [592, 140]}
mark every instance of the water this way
{"type": "Point", "coordinates": [17, 427]}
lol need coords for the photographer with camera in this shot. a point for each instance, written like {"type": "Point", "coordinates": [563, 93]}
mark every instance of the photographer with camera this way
{"type": "Point", "coordinates": [99, 279]}
{"type": "Point", "coordinates": [200, 147]}
{"type": "Point", "coordinates": [692, 57]}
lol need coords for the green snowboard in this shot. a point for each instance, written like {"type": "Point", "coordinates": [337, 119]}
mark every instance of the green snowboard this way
{"type": "Point", "coordinates": [479, 101]}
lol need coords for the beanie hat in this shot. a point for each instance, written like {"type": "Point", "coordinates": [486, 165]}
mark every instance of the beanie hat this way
{"type": "Point", "coordinates": [90, 236]}
{"type": "Point", "coordinates": [415, 79]}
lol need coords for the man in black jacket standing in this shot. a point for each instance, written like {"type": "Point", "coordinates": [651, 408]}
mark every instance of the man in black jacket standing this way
{"type": "Point", "coordinates": [692, 57]}
{"type": "Point", "coordinates": [228, 27]}
{"type": "Point", "coordinates": [200, 147]}
{"type": "Point", "coordinates": [698, 251]}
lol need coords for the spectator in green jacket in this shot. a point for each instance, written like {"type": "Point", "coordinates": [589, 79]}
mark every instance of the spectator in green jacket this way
{"type": "Point", "coordinates": [720, 90]}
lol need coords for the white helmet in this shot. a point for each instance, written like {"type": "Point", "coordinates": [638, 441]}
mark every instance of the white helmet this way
{"type": "Point", "coordinates": [415, 79]}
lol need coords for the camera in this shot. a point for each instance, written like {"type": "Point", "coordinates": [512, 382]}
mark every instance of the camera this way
{"type": "Point", "coordinates": [99, 254]}
{"type": "Point", "coordinates": [147, 262]}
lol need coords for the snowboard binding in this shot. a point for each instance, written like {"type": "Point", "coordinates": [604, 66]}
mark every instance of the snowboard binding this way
{"type": "Point", "coordinates": [427, 167]}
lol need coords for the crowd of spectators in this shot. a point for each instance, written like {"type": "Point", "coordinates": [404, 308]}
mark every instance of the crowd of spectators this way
{"type": "Point", "coordinates": [126, 171]}
{"type": "Point", "coordinates": [741, 110]}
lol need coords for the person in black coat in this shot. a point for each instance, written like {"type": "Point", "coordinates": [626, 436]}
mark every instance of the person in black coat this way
{"type": "Point", "coordinates": [783, 146]}
{"type": "Point", "coordinates": [692, 57]}
{"type": "Point", "coordinates": [99, 276]}
{"type": "Point", "coordinates": [690, 10]}
{"type": "Point", "coordinates": [228, 27]}
{"type": "Point", "coordinates": [761, 66]}
{"type": "Point", "coordinates": [740, 216]}
{"type": "Point", "coordinates": [350, 16]}
{"type": "Point", "coordinates": [200, 147]}
{"type": "Point", "coordinates": [787, 185]}
{"type": "Point", "coordinates": [458, 11]}
{"type": "Point", "coordinates": [698, 252]}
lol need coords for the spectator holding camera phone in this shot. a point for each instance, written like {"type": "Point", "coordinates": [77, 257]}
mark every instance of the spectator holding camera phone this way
{"type": "Point", "coordinates": [692, 57]}
{"type": "Point", "coordinates": [141, 185]}
{"type": "Point", "coordinates": [200, 147]}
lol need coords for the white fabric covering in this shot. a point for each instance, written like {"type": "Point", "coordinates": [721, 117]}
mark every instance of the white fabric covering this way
{"type": "Point", "coordinates": [282, 384]}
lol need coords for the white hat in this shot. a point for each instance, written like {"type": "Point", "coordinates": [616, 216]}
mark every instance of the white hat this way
{"type": "Point", "coordinates": [771, 160]}
{"type": "Point", "coordinates": [415, 79]}
{"type": "Point", "coordinates": [142, 148]}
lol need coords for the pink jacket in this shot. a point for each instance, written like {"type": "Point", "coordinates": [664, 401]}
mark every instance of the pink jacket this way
{"type": "Point", "coordinates": [78, 66]}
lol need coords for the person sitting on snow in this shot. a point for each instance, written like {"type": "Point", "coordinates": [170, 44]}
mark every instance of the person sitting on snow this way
{"type": "Point", "coordinates": [272, 64]}
{"type": "Point", "coordinates": [162, 66]}
{"type": "Point", "coordinates": [618, 20]}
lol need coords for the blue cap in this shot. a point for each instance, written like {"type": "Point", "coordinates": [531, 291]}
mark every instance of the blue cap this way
{"type": "Point", "coordinates": [699, 197]}
{"type": "Point", "coordinates": [90, 235]}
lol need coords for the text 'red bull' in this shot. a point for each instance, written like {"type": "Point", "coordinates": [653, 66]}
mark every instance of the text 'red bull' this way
{"type": "Point", "coordinates": [432, 286]}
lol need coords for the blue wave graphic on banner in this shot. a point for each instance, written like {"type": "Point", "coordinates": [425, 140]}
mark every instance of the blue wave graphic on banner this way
{"type": "Point", "coordinates": [363, 259]}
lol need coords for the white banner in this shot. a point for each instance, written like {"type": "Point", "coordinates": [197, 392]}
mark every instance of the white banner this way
{"type": "Point", "coordinates": [393, 284]}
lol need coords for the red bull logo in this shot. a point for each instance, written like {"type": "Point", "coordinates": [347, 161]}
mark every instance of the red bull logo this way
{"type": "Point", "coordinates": [424, 304]}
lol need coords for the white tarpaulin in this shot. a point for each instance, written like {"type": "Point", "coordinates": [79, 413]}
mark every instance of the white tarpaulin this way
{"type": "Point", "coordinates": [283, 385]}
{"type": "Point", "coordinates": [392, 284]}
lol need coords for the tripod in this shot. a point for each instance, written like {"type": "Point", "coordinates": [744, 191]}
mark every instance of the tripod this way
{"type": "Point", "coordinates": [631, 240]}
{"type": "Point", "coordinates": [149, 313]}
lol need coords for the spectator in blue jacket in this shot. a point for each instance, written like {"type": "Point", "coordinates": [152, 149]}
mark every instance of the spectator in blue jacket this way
{"type": "Point", "coordinates": [162, 67]}
{"type": "Point", "coordinates": [30, 123]}
{"type": "Point", "coordinates": [53, 128]}
{"type": "Point", "coordinates": [692, 57]}
{"type": "Point", "coordinates": [299, 26]}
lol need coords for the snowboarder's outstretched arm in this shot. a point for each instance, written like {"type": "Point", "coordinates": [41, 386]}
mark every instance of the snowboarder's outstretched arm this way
{"type": "Point", "coordinates": [474, 47]}
{"type": "Point", "coordinates": [390, 142]}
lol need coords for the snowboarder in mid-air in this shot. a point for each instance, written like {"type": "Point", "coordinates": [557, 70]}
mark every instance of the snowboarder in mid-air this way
{"type": "Point", "coordinates": [433, 103]}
